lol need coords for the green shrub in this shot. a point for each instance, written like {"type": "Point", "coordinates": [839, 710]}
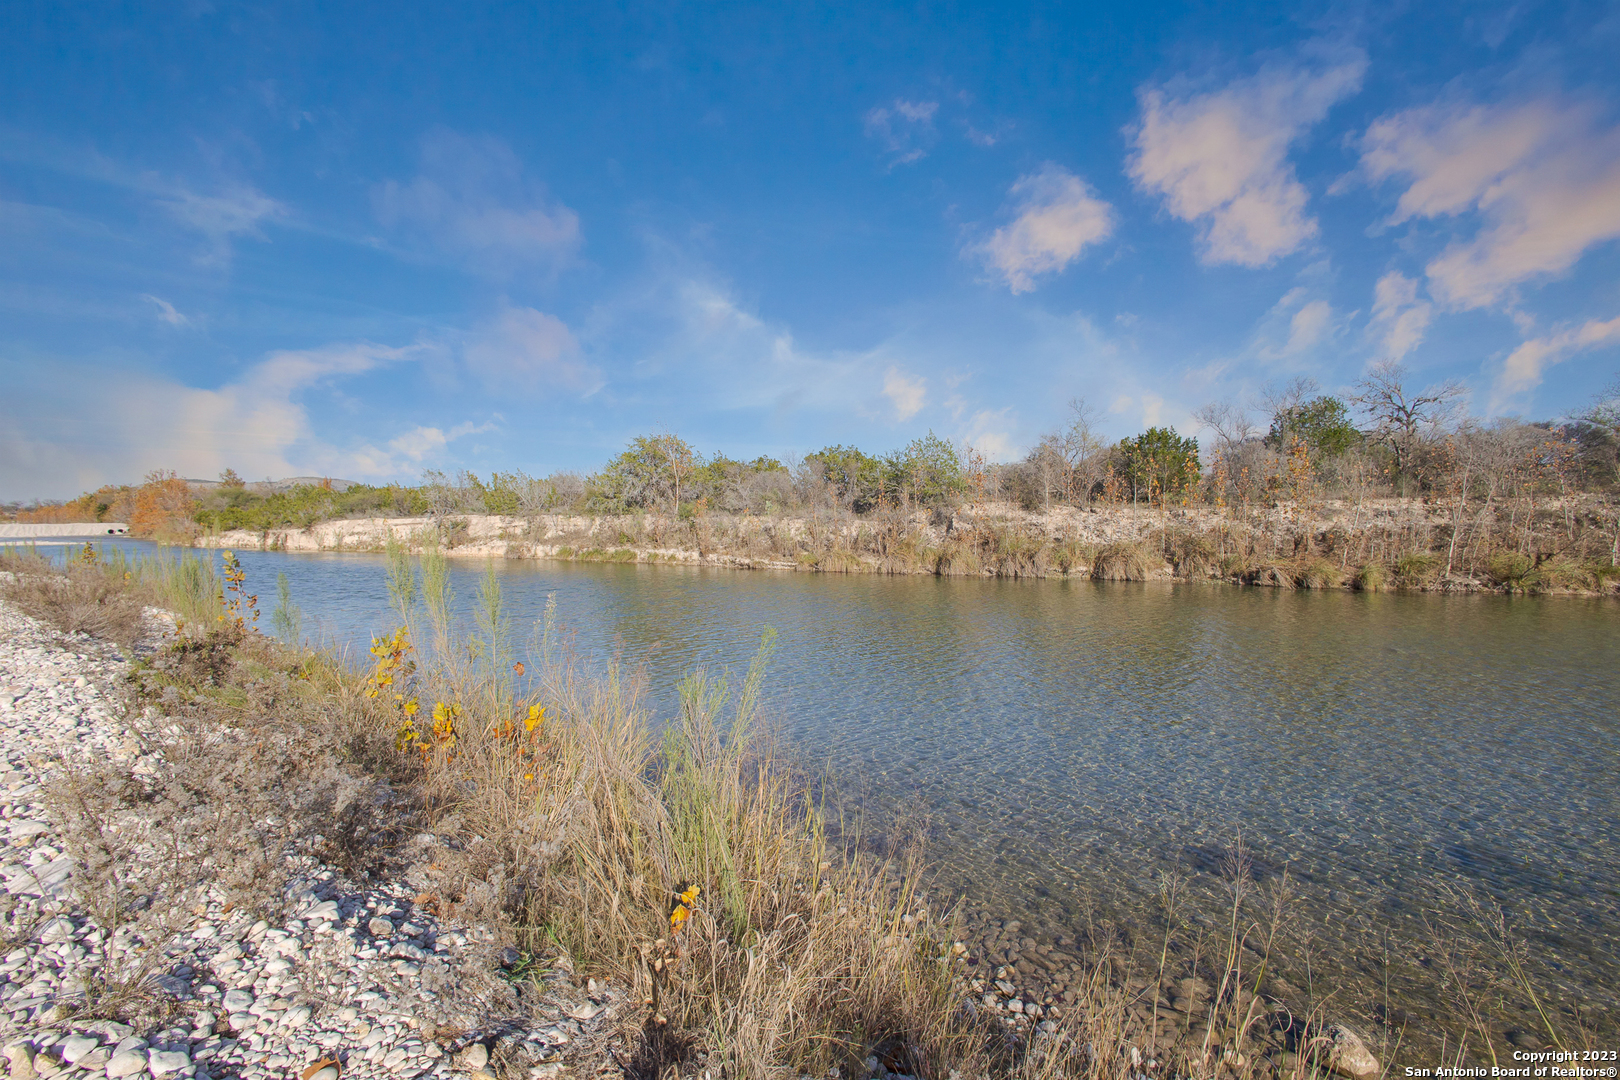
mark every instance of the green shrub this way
{"type": "Point", "coordinates": [1317, 574]}
{"type": "Point", "coordinates": [1509, 570]}
{"type": "Point", "coordinates": [1370, 578]}
{"type": "Point", "coordinates": [1557, 572]}
{"type": "Point", "coordinates": [1416, 570]}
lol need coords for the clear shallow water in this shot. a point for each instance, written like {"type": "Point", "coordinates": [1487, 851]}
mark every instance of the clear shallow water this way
{"type": "Point", "coordinates": [1065, 741]}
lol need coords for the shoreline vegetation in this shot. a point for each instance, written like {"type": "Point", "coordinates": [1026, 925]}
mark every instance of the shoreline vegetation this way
{"type": "Point", "coordinates": [1389, 488]}
{"type": "Point", "coordinates": [536, 797]}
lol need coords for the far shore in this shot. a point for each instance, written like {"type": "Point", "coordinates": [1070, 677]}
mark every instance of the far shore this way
{"type": "Point", "coordinates": [1370, 545]}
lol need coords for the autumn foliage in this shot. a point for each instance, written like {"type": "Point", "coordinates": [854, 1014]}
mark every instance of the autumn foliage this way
{"type": "Point", "coordinates": [162, 506]}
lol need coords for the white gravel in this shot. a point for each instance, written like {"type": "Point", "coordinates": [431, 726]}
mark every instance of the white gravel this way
{"type": "Point", "coordinates": [361, 975]}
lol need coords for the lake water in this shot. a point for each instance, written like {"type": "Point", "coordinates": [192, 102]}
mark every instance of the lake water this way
{"type": "Point", "coordinates": [1062, 743]}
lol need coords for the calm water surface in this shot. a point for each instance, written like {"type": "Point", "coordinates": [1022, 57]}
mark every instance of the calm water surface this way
{"type": "Point", "coordinates": [1065, 741]}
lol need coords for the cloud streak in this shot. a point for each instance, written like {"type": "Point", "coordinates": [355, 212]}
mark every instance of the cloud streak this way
{"type": "Point", "coordinates": [236, 211]}
{"type": "Point", "coordinates": [166, 311]}
{"type": "Point", "coordinates": [1219, 160]}
{"type": "Point", "coordinates": [471, 201]}
{"type": "Point", "coordinates": [905, 129]}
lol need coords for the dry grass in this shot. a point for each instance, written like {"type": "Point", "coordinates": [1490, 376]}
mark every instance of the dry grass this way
{"type": "Point", "coordinates": [1124, 561]}
{"type": "Point", "coordinates": [798, 955]}
{"type": "Point", "coordinates": [79, 598]}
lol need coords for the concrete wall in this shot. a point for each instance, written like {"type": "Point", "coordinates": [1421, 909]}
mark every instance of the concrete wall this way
{"type": "Point", "coordinates": [10, 531]}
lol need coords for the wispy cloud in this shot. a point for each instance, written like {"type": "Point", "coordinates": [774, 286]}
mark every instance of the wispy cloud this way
{"type": "Point", "coordinates": [166, 311]}
{"type": "Point", "coordinates": [990, 432]}
{"type": "Point", "coordinates": [525, 349]}
{"type": "Point", "coordinates": [905, 129]}
{"type": "Point", "coordinates": [220, 208]}
{"type": "Point", "coordinates": [233, 212]}
{"type": "Point", "coordinates": [1220, 159]}
{"type": "Point", "coordinates": [1399, 319]}
{"type": "Point", "coordinates": [1524, 367]}
{"type": "Point", "coordinates": [908, 394]}
{"type": "Point", "coordinates": [1056, 215]}
{"type": "Point", "coordinates": [472, 202]}
{"type": "Point", "coordinates": [1543, 178]}
{"type": "Point", "coordinates": [1295, 328]}
{"type": "Point", "coordinates": [1308, 327]}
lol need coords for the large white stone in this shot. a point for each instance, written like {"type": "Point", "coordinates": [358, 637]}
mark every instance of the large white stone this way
{"type": "Point", "coordinates": [126, 1064]}
{"type": "Point", "coordinates": [77, 1047]}
{"type": "Point", "coordinates": [163, 1062]}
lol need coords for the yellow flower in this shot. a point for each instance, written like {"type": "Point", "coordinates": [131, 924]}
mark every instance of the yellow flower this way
{"type": "Point", "coordinates": [681, 912]}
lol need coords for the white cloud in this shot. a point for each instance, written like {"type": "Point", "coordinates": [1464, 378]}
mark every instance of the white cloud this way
{"type": "Point", "coordinates": [1307, 327]}
{"type": "Point", "coordinates": [1399, 318]}
{"type": "Point", "coordinates": [690, 334]}
{"type": "Point", "coordinates": [166, 311]}
{"type": "Point", "coordinates": [989, 432]}
{"type": "Point", "coordinates": [525, 349]}
{"type": "Point", "coordinates": [472, 201]}
{"type": "Point", "coordinates": [903, 128]}
{"type": "Point", "coordinates": [1543, 178]}
{"type": "Point", "coordinates": [1152, 410]}
{"type": "Point", "coordinates": [422, 443]}
{"type": "Point", "coordinates": [1220, 159]}
{"type": "Point", "coordinates": [907, 394]}
{"type": "Point", "coordinates": [1057, 216]}
{"type": "Point", "coordinates": [86, 426]}
{"type": "Point", "coordinates": [237, 211]}
{"type": "Point", "coordinates": [1523, 368]}
{"type": "Point", "coordinates": [1295, 326]}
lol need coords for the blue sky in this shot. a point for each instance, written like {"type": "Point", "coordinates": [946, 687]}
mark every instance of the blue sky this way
{"type": "Point", "coordinates": [364, 240]}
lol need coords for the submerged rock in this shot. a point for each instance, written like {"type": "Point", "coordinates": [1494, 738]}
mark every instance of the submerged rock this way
{"type": "Point", "coordinates": [1349, 1056]}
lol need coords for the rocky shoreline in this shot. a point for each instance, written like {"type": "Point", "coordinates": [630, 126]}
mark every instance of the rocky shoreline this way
{"type": "Point", "coordinates": [361, 981]}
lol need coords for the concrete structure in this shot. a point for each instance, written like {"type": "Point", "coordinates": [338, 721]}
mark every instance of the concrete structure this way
{"type": "Point", "coordinates": [12, 531]}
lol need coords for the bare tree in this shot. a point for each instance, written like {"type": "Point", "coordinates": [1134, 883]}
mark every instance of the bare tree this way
{"type": "Point", "coordinates": [1230, 423]}
{"type": "Point", "coordinates": [678, 460]}
{"type": "Point", "coordinates": [1068, 461]}
{"type": "Point", "coordinates": [1400, 417]}
{"type": "Point", "coordinates": [1083, 451]}
{"type": "Point", "coordinates": [1278, 401]}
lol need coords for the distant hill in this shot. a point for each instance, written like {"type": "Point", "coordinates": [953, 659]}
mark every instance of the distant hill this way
{"type": "Point", "coordinates": [271, 487]}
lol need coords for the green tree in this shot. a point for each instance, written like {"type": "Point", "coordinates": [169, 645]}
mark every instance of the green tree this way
{"type": "Point", "coordinates": [649, 473]}
{"type": "Point", "coordinates": [1157, 464]}
{"type": "Point", "coordinates": [856, 477]}
{"type": "Point", "coordinates": [925, 472]}
{"type": "Point", "coordinates": [1322, 424]}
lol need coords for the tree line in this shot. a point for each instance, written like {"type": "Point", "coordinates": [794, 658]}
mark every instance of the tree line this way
{"type": "Point", "coordinates": [1292, 444]}
{"type": "Point", "coordinates": [1295, 444]}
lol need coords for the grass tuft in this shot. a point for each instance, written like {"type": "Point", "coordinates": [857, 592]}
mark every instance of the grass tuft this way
{"type": "Point", "coordinates": [1124, 561]}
